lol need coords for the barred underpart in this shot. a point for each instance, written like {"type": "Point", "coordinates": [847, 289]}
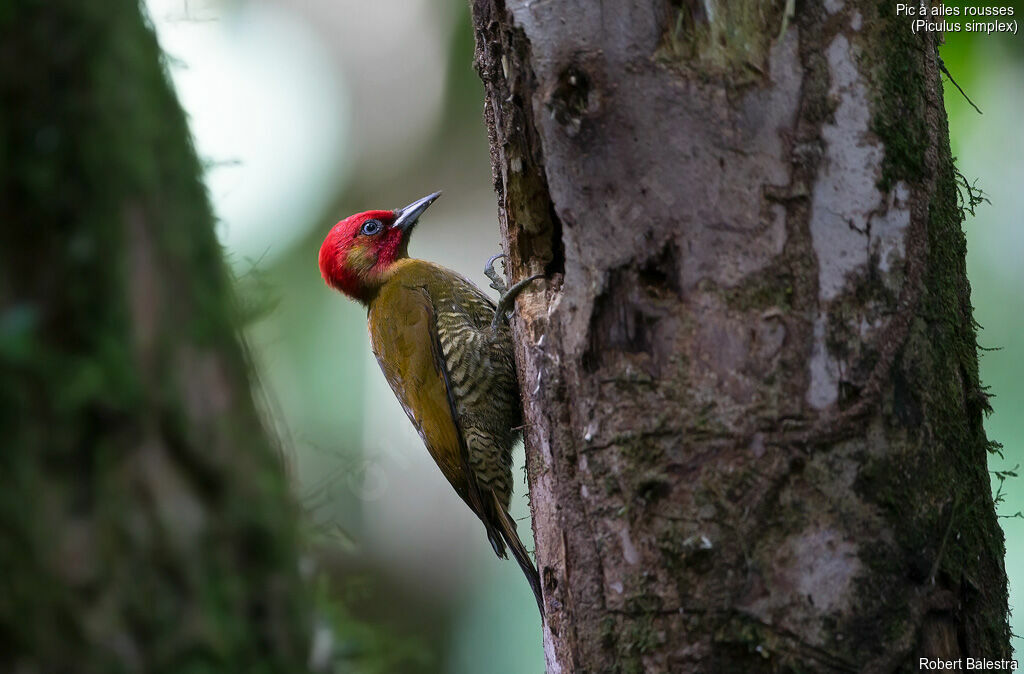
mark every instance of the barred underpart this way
{"type": "Point", "coordinates": [482, 375]}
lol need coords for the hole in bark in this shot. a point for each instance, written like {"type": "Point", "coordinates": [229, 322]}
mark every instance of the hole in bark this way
{"type": "Point", "coordinates": [699, 560]}
{"type": "Point", "coordinates": [652, 489]}
{"type": "Point", "coordinates": [653, 275]}
{"type": "Point", "coordinates": [618, 323]}
{"type": "Point", "coordinates": [685, 15]}
{"type": "Point", "coordinates": [550, 580]}
{"type": "Point", "coordinates": [849, 392]}
{"type": "Point", "coordinates": [661, 272]}
{"type": "Point", "coordinates": [572, 99]}
{"type": "Point", "coordinates": [627, 316]}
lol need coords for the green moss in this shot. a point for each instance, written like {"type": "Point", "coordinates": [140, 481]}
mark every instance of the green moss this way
{"type": "Point", "coordinates": [931, 482]}
{"type": "Point", "coordinates": [609, 631]}
{"type": "Point", "coordinates": [731, 38]}
{"type": "Point", "coordinates": [641, 637]}
{"type": "Point", "coordinates": [685, 554]}
{"type": "Point", "coordinates": [934, 481]}
{"type": "Point", "coordinates": [772, 289]}
{"type": "Point", "coordinates": [640, 451]}
{"type": "Point", "coordinates": [898, 116]}
{"type": "Point", "coordinates": [611, 485]}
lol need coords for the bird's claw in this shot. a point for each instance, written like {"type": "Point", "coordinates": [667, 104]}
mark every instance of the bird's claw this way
{"type": "Point", "coordinates": [508, 293]}
{"type": "Point", "coordinates": [496, 281]}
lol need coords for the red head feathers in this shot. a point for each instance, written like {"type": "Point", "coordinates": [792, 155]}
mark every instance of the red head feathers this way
{"type": "Point", "coordinates": [358, 251]}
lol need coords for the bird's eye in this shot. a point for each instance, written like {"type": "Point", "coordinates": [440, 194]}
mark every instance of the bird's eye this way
{"type": "Point", "coordinates": [371, 227]}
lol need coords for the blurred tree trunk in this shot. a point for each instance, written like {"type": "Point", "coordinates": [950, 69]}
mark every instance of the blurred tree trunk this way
{"type": "Point", "coordinates": [146, 520]}
{"type": "Point", "coordinates": [754, 421]}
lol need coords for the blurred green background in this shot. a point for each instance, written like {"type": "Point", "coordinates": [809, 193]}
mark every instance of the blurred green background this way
{"type": "Point", "coordinates": [989, 148]}
{"type": "Point", "coordinates": [306, 111]}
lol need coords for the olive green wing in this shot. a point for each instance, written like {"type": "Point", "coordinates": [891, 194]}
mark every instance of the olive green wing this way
{"type": "Point", "coordinates": [406, 344]}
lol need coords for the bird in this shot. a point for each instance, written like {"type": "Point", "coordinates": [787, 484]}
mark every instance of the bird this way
{"type": "Point", "coordinates": [446, 350]}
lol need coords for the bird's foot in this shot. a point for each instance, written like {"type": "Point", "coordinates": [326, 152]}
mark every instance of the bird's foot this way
{"type": "Point", "coordinates": [508, 294]}
{"type": "Point", "coordinates": [497, 282]}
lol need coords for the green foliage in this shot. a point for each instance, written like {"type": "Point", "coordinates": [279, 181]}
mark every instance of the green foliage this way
{"type": "Point", "coordinates": [358, 646]}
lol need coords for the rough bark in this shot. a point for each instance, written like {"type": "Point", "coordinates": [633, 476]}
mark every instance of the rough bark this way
{"type": "Point", "coordinates": [754, 420]}
{"type": "Point", "coordinates": [146, 519]}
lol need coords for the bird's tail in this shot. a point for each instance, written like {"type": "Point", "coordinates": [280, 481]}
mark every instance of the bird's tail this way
{"type": "Point", "coordinates": [507, 527]}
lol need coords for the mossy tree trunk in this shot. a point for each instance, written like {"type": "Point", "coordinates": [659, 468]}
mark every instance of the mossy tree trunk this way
{"type": "Point", "coordinates": [146, 520]}
{"type": "Point", "coordinates": [754, 421]}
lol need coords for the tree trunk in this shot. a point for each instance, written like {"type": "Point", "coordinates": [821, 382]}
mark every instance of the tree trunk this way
{"type": "Point", "coordinates": [146, 521]}
{"type": "Point", "coordinates": [754, 420]}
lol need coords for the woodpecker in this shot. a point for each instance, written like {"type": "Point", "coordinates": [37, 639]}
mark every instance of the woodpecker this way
{"type": "Point", "coordinates": [446, 350]}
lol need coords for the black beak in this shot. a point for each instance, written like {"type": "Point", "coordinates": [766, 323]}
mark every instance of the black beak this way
{"type": "Point", "coordinates": [406, 217]}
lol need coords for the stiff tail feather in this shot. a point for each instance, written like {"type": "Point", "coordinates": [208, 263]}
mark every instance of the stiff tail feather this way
{"type": "Point", "coordinates": [508, 532]}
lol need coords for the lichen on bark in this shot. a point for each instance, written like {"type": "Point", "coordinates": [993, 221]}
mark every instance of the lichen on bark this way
{"type": "Point", "coordinates": [757, 371]}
